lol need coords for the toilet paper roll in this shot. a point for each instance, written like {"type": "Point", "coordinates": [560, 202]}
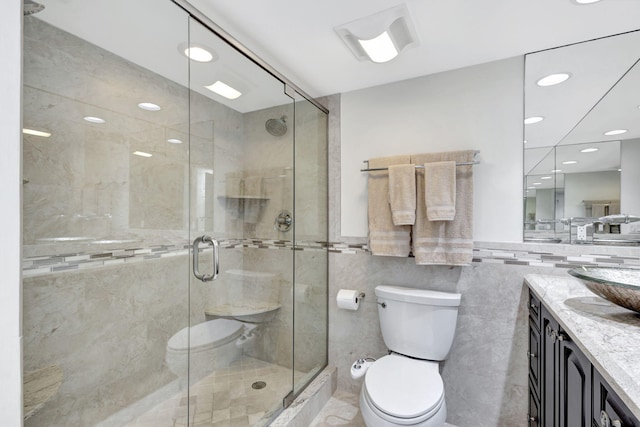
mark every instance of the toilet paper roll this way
{"type": "Point", "coordinates": [348, 299]}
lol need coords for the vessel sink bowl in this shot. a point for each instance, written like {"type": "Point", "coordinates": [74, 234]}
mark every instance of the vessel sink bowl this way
{"type": "Point", "coordinates": [619, 285]}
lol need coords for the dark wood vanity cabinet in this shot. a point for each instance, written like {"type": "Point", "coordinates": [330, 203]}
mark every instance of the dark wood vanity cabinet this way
{"type": "Point", "coordinates": [564, 389]}
{"type": "Point", "coordinates": [608, 410]}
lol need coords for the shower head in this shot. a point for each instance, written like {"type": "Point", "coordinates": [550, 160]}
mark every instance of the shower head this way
{"type": "Point", "coordinates": [31, 7]}
{"type": "Point", "coordinates": [276, 127]}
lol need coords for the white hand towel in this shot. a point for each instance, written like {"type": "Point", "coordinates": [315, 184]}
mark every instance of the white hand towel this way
{"type": "Point", "coordinates": [402, 194]}
{"type": "Point", "coordinates": [440, 190]}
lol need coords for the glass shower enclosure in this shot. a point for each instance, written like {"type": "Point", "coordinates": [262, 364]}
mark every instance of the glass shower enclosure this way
{"type": "Point", "coordinates": [175, 223]}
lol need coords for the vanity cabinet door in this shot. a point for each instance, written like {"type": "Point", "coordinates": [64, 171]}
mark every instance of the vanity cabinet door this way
{"type": "Point", "coordinates": [608, 408]}
{"type": "Point", "coordinates": [534, 357]}
{"type": "Point", "coordinates": [549, 367]}
{"type": "Point", "coordinates": [575, 385]}
{"type": "Point", "coordinates": [533, 417]}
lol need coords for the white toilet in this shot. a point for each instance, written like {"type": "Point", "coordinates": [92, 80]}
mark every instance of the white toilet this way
{"type": "Point", "coordinates": [405, 387]}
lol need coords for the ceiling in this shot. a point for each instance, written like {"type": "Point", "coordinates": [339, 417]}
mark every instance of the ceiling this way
{"type": "Point", "coordinates": [297, 37]}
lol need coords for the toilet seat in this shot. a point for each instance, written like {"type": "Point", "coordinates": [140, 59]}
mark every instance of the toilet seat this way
{"type": "Point", "coordinates": [404, 390]}
{"type": "Point", "coordinates": [205, 336]}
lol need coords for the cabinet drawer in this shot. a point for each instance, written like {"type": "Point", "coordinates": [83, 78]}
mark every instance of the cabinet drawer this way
{"type": "Point", "coordinates": [605, 400]}
{"type": "Point", "coordinates": [534, 309]}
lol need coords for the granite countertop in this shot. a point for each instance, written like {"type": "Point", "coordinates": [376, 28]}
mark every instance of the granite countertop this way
{"type": "Point", "coordinates": [607, 334]}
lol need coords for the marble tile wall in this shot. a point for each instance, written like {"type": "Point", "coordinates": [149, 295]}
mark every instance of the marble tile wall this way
{"type": "Point", "coordinates": [107, 329]}
{"type": "Point", "coordinates": [485, 375]}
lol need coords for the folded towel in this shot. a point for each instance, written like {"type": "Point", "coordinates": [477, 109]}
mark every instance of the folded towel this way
{"type": "Point", "coordinates": [385, 238]}
{"type": "Point", "coordinates": [445, 242]}
{"type": "Point", "coordinates": [402, 194]}
{"type": "Point", "coordinates": [440, 190]}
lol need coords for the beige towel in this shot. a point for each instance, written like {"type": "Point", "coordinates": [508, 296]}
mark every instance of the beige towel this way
{"type": "Point", "coordinates": [384, 237]}
{"type": "Point", "coordinates": [440, 190]}
{"type": "Point", "coordinates": [402, 194]}
{"type": "Point", "coordinates": [445, 242]}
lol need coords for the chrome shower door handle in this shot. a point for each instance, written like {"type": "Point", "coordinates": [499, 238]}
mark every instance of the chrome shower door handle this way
{"type": "Point", "coordinates": [216, 258]}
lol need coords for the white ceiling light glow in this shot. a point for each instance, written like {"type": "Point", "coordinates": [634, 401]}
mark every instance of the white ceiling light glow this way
{"type": "Point", "coordinates": [224, 89]}
{"type": "Point", "coordinates": [553, 79]}
{"type": "Point", "coordinates": [589, 150]}
{"type": "Point", "coordinates": [532, 120]}
{"type": "Point", "coordinates": [379, 37]}
{"type": "Point", "coordinates": [586, 1]}
{"type": "Point", "coordinates": [556, 170]}
{"type": "Point", "coordinates": [174, 141]}
{"type": "Point", "coordinates": [545, 177]}
{"type": "Point", "coordinates": [142, 154]}
{"type": "Point", "coordinates": [36, 132]}
{"type": "Point", "coordinates": [380, 49]}
{"type": "Point", "coordinates": [569, 162]}
{"type": "Point", "coordinates": [149, 106]}
{"type": "Point", "coordinates": [92, 119]}
{"type": "Point", "coordinates": [197, 52]}
{"type": "Point", "coordinates": [616, 132]}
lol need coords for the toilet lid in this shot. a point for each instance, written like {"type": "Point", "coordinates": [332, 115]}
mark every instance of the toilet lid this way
{"type": "Point", "coordinates": [213, 333]}
{"type": "Point", "coordinates": [404, 387]}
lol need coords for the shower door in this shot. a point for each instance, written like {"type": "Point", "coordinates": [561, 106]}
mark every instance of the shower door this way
{"type": "Point", "coordinates": [242, 205]}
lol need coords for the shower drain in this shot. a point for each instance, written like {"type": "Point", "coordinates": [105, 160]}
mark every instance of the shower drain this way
{"type": "Point", "coordinates": [258, 385]}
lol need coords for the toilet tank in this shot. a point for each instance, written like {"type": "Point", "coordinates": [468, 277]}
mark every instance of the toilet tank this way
{"type": "Point", "coordinates": [416, 322]}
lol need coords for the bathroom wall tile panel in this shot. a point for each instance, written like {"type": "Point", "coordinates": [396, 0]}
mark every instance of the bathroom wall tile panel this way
{"type": "Point", "coordinates": [77, 320]}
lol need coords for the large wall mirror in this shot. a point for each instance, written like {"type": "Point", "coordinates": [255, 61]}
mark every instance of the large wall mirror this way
{"type": "Point", "coordinates": [582, 143]}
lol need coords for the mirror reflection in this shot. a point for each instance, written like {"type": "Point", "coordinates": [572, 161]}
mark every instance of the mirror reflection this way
{"type": "Point", "coordinates": [582, 143]}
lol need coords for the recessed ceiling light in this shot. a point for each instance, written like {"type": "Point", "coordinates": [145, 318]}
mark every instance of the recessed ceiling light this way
{"type": "Point", "coordinates": [224, 89]}
{"type": "Point", "coordinates": [556, 170]}
{"type": "Point", "coordinates": [198, 54]}
{"type": "Point", "coordinates": [616, 132]}
{"type": "Point", "coordinates": [545, 177]}
{"type": "Point", "coordinates": [589, 150]}
{"type": "Point", "coordinates": [142, 154]}
{"type": "Point", "coordinates": [569, 162]}
{"type": "Point", "coordinates": [531, 188]}
{"type": "Point", "coordinates": [36, 132]}
{"type": "Point", "coordinates": [92, 119]}
{"type": "Point", "coordinates": [537, 183]}
{"type": "Point", "coordinates": [619, 170]}
{"type": "Point", "coordinates": [149, 106]}
{"type": "Point", "coordinates": [532, 120]}
{"type": "Point", "coordinates": [553, 79]}
{"type": "Point", "coordinates": [525, 141]}
{"type": "Point", "coordinates": [174, 141]}
{"type": "Point", "coordinates": [586, 1]}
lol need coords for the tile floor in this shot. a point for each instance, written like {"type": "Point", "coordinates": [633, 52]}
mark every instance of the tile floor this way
{"type": "Point", "coordinates": [225, 398]}
{"type": "Point", "coordinates": [342, 410]}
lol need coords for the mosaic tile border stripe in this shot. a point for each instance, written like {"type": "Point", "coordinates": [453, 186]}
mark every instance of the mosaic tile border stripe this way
{"type": "Point", "coordinates": [35, 266]}
{"type": "Point", "coordinates": [39, 265]}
